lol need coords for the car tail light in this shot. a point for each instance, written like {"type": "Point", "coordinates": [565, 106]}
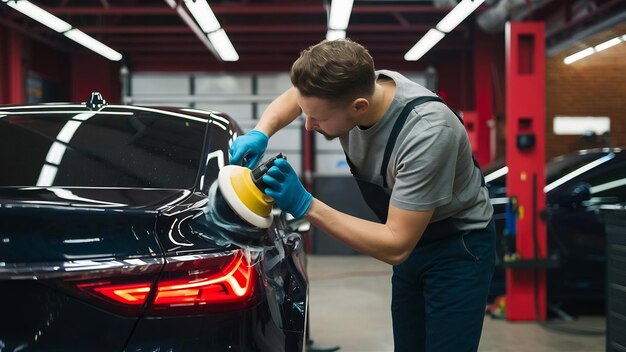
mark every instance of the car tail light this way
{"type": "Point", "coordinates": [187, 285]}
{"type": "Point", "coordinates": [215, 283]}
{"type": "Point", "coordinates": [131, 294]}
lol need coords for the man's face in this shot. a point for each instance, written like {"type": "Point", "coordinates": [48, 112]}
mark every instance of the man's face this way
{"type": "Point", "coordinates": [323, 117]}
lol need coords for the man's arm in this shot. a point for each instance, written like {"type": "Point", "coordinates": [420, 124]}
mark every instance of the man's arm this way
{"type": "Point", "coordinates": [281, 112]}
{"type": "Point", "coordinates": [391, 242]}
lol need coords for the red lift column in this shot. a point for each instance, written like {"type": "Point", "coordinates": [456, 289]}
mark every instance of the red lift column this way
{"type": "Point", "coordinates": [12, 75]}
{"type": "Point", "coordinates": [525, 157]}
{"type": "Point", "coordinates": [483, 88]}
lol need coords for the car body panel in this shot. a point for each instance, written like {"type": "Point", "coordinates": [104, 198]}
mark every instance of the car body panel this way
{"type": "Point", "coordinates": [137, 205]}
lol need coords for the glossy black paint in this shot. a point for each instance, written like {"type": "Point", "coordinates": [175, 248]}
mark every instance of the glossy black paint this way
{"type": "Point", "coordinates": [577, 184]}
{"type": "Point", "coordinates": [109, 226]}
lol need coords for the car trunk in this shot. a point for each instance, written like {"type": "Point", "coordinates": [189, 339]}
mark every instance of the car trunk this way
{"type": "Point", "coordinates": [58, 248]}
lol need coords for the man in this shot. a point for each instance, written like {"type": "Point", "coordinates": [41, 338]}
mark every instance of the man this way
{"type": "Point", "coordinates": [413, 162]}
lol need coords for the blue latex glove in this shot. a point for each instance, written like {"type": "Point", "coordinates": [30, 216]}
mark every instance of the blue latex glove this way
{"type": "Point", "coordinates": [248, 149]}
{"type": "Point", "coordinates": [284, 186]}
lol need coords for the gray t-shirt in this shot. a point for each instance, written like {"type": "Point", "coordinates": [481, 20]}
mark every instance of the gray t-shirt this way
{"type": "Point", "coordinates": [431, 165]}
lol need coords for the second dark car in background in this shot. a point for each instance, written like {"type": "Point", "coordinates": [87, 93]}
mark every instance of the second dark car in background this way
{"type": "Point", "coordinates": [576, 185]}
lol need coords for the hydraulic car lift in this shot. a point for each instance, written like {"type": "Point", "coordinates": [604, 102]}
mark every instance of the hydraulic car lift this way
{"type": "Point", "coordinates": [525, 158]}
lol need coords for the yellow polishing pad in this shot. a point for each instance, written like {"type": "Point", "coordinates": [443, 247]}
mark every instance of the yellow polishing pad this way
{"type": "Point", "coordinates": [248, 192]}
{"type": "Point", "coordinates": [249, 202]}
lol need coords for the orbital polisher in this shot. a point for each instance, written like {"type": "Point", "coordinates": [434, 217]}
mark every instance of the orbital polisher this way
{"type": "Point", "coordinates": [242, 189]}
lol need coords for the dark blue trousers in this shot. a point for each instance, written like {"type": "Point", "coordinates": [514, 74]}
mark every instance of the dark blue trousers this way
{"type": "Point", "coordinates": [439, 293]}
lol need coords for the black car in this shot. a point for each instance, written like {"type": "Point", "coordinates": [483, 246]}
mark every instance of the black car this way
{"type": "Point", "coordinates": [106, 245]}
{"type": "Point", "coordinates": [576, 185]}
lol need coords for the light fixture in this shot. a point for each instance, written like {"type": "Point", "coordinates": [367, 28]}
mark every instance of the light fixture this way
{"type": "Point", "coordinates": [222, 44]}
{"type": "Point", "coordinates": [51, 21]}
{"type": "Point", "coordinates": [429, 40]}
{"type": "Point", "coordinates": [589, 51]}
{"type": "Point", "coordinates": [607, 44]}
{"type": "Point", "coordinates": [579, 55]}
{"type": "Point", "coordinates": [88, 42]}
{"type": "Point", "coordinates": [458, 14]}
{"type": "Point", "coordinates": [192, 25]}
{"type": "Point", "coordinates": [204, 16]}
{"type": "Point", "coordinates": [338, 19]}
{"type": "Point", "coordinates": [40, 15]}
{"type": "Point", "coordinates": [446, 25]}
{"type": "Point", "coordinates": [340, 11]}
{"type": "Point", "coordinates": [334, 34]}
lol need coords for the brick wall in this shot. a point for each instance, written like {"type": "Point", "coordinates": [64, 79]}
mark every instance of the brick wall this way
{"type": "Point", "coordinates": [593, 86]}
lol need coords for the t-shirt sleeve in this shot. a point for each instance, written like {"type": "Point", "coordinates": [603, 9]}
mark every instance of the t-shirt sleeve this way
{"type": "Point", "coordinates": [426, 164]}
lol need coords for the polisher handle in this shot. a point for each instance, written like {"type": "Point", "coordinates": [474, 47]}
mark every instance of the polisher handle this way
{"type": "Point", "coordinates": [258, 172]}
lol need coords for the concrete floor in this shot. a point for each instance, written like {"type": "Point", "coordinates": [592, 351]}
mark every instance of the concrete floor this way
{"type": "Point", "coordinates": [349, 307]}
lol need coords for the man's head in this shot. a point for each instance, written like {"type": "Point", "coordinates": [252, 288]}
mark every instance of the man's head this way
{"type": "Point", "coordinates": [335, 80]}
{"type": "Point", "coordinates": [337, 70]}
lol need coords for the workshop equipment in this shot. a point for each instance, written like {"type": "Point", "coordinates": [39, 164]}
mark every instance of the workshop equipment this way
{"type": "Point", "coordinates": [614, 218]}
{"type": "Point", "coordinates": [242, 189]}
{"type": "Point", "coordinates": [237, 211]}
{"type": "Point", "coordinates": [525, 156]}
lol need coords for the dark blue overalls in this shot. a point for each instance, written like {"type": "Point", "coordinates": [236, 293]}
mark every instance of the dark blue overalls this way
{"type": "Point", "coordinates": [439, 293]}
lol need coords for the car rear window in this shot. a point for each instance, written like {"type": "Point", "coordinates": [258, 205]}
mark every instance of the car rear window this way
{"type": "Point", "coordinates": [105, 149]}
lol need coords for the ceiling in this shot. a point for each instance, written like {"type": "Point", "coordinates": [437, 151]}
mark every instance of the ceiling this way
{"type": "Point", "coordinates": [269, 34]}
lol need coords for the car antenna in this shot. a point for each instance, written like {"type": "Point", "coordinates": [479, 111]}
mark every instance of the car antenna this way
{"type": "Point", "coordinates": [96, 101]}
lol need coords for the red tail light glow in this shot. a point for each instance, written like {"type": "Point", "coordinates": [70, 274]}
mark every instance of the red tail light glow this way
{"type": "Point", "coordinates": [232, 283]}
{"type": "Point", "coordinates": [133, 294]}
{"type": "Point", "coordinates": [186, 285]}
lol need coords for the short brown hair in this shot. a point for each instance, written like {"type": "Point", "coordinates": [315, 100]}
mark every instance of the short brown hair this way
{"type": "Point", "coordinates": [338, 70]}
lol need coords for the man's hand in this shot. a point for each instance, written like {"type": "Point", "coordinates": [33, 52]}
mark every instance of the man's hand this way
{"type": "Point", "coordinates": [248, 148]}
{"type": "Point", "coordinates": [284, 186]}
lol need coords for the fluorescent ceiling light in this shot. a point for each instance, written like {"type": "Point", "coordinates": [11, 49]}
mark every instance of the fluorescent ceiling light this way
{"type": "Point", "coordinates": [92, 44]}
{"type": "Point", "coordinates": [458, 14]}
{"type": "Point", "coordinates": [222, 44]}
{"type": "Point", "coordinates": [47, 19]}
{"type": "Point", "coordinates": [194, 27]}
{"type": "Point", "coordinates": [334, 34]}
{"type": "Point", "coordinates": [579, 55]}
{"type": "Point", "coordinates": [40, 15]}
{"type": "Point", "coordinates": [340, 11]}
{"type": "Point", "coordinates": [608, 44]}
{"type": "Point", "coordinates": [602, 46]}
{"type": "Point", "coordinates": [203, 14]}
{"type": "Point", "coordinates": [430, 39]}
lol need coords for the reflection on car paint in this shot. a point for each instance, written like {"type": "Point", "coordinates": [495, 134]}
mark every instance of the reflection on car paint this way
{"type": "Point", "coordinates": [578, 172]}
{"type": "Point", "coordinates": [219, 156]}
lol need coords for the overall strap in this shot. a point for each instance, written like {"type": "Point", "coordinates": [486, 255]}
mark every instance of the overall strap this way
{"type": "Point", "coordinates": [397, 127]}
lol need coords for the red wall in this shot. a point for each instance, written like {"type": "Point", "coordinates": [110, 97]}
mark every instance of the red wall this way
{"type": "Point", "coordinates": [11, 67]}
{"type": "Point", "coordinates": [50, 64]}
{"type": "Point", "coordinates": [74, 70]}
{"type": "Point", "coordinates": [94, 73]}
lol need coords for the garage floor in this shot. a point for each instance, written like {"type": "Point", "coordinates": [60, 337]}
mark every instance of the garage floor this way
{"type": "Point", "coordinates": [349, 307]}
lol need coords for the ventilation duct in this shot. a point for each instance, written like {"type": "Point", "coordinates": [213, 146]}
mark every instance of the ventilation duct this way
{"type": "Point", "coordinates": [494, 18]}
